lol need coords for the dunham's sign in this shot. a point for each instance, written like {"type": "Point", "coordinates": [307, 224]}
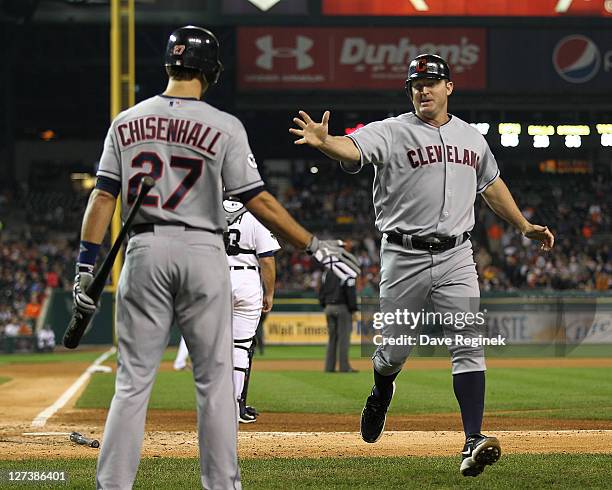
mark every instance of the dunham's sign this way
{"type": "Point", "coordinates": [348, 58]}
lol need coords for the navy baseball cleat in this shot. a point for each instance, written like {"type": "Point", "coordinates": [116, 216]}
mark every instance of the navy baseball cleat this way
{"type": "Point", "coordinates": [251, 411]}
{"type": "Point", "coordinates": [373, 417]}
{"type": "Point", "coordinates": [245, 417]}
{"type": "Point", "coordinates": [478, 452]}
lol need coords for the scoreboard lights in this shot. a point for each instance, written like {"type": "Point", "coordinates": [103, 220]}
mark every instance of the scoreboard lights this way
{"type": "Point", "coordinates": [540, 130]}
{"type": "Point", "coordinates": [568, 130]}
{"type": "Point", "coordinates": [509, 134]}
{"type": "Point", "coordinates": [605, 130]}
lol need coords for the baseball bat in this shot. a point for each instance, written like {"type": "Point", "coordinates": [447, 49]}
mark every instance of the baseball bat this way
{"type": "Point", "coordinates": [84, 441]}
{"type": "Point", "coordinates": [79, 321]}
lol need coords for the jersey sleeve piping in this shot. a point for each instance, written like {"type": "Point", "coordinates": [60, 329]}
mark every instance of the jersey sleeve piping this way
{"type": "Point", "coordinates": [343, 164]}
{"type": "Point", "coordinates": [484, 187]}
{"type": "Point", "coordinates": [269, 253]}
{"type": "Point", "coordinates": [246, 187]}
{"type": "Point", "coordinates": [109, 174]}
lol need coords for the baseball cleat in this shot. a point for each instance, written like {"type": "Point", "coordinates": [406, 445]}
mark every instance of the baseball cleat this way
{"type": "Point", "coordinates": [374, 416]}
{"type": "Point", "coordinates": [244, 416]}
{"type": "Point", "coordinates": [478, 452]}
{"type": "Point", "coordinates": [251, 411]}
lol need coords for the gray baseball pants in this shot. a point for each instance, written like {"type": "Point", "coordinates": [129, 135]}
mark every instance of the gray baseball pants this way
{"type": "Point", "coordinates": [171, 275]}
{"type": "Point", "coordinates": [409, 278]}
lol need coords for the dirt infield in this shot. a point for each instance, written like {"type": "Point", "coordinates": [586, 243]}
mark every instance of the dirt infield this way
{"type": "Point", "coordinates": [185, 420]}
{"type": "Point", "coordinates": [34, 387]}
{"type": "Point", "coordinates": [317, 444]}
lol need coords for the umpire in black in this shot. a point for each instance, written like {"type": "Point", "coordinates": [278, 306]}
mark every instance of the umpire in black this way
{"type": "Point", "coordinates": [340, 302]}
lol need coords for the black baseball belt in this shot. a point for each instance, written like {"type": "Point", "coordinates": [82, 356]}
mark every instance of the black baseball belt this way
{"type": "Point", "coordinates": [430, 243]}
{"type": "Point", "coordinates": [150, 228]}
{"type": "Point", "coordinates": [244, 268]}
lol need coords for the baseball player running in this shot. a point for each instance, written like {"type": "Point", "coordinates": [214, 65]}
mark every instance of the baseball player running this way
{"type": "Point", "coordinates": [250, 249]}
{"type": "Point", "coordinates": [175, 264]}
{"type": "Point", "coordinates": [429, 166]}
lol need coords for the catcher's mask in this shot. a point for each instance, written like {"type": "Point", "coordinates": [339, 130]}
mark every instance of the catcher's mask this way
{"type": "Point", "coordinates": [232, 205]}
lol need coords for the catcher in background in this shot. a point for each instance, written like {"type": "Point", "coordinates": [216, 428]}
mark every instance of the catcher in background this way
{"type": "Point", "coordinates": [250, 249]}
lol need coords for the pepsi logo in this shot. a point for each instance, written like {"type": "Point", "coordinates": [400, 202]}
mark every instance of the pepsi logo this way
{"type": "Point", "coordinates": [576, 59]}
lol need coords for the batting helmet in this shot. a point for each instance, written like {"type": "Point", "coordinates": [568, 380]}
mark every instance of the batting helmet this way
{"type": "Point", "coordinates": [195, 48]}
{"type": "Point", "coordinates": [427, 66]}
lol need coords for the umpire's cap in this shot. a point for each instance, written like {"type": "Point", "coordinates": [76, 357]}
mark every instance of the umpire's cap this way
{"type": "Point", "coordinates": [427, 66]}
{"type": "Point", "coordinates": [195, 48]}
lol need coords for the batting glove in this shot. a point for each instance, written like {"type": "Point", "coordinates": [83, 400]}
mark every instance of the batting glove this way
{"type": "Point", "coordinates": [82, 302]}
{"type": "Point", "coordinates": [331, 254]}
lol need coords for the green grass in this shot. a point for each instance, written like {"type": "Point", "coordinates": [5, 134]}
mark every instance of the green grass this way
{"type": "Point", "coordinates": [548, 392]}
{"type": "Point", "coordinates": [4, 379]}
{"type": "Point", "coordinates": [63, 356]}
{"type": "Point", "coordinates": [284, 352]}
{"type": "Point", "coordinates": [511, 472]}
{"type": "Point", "coordinates": [317, 352]}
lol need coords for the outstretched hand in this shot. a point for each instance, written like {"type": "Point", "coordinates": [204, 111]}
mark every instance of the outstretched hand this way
{"type": "Point", "coordinates": [541, 234]}
{"type": "Point", "coordinates": [310, 132]}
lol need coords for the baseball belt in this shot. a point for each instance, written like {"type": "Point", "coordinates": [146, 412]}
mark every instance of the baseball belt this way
{"type": "Point", "coordinates": [150, 228]}
{"type": "Point", "coordinates": [429, 243]}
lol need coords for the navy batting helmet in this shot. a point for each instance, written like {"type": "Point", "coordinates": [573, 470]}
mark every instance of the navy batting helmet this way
{"type": "Point", "coordinates": [427, 66]}
{"type": "Point", "coordinates": [195, 48]}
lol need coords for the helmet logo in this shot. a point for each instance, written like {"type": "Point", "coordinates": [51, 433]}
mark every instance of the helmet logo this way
{"type": "Point", "coordinates": [300, 52]}
{"type": "Point", "coordinates": [421, 65]}
{"type": "Point", "coordinates": [178, 50]}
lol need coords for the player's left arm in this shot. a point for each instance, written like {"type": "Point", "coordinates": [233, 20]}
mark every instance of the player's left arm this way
{"type": "Point", "coordinates": [268, 279]}
{"type": "Point", "coordinates": [499, 199]}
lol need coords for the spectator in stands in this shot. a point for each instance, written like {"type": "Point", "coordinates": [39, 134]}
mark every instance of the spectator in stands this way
{"type": "Point", "coordinates": [12, 328]}
{"type": "Point", "coordinates": [45, 339]}
{"type": "Point", "coordinates": [32, 309]}
{"type": "Point", "coordinates": [494, 234]}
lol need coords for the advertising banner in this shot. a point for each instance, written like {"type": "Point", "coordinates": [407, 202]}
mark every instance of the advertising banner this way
{"type": "Point", "coordinates": [544, 326]}
{"type": "Point", "coordinates": [529, 60]}
{"type": "Point", "coordinates": [459, 8]}
{"type": "Point", "coordinates": [350, 58]}
{"type": "Point", "coordinates": [300, 328]}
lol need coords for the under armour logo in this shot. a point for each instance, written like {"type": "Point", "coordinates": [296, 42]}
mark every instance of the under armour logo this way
{"type": "Point", "coordinates": [269, 52]}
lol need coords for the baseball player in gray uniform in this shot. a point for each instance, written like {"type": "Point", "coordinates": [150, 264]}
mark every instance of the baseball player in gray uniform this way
{"type": "Point", "coordinates": [429, 166]}
{"type": "Point", "coordinates": [250, 249]}
{"type": "Point", "coordinates": [175, 265]}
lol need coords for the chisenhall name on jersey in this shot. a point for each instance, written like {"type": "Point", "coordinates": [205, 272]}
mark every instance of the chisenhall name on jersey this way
{"type": "Point", "coordinates": [168, 130]}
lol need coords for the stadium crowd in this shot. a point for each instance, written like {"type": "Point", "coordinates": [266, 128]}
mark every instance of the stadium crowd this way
{"type": "Point", "coordinates": [575, 208]}
{"type": "Point", "coordinates": [35, 257]}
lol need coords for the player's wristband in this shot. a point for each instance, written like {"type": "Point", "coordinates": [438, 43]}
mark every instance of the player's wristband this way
{"type": "Point", "coordinates": [88, 252]}
{"type": "Point", "coordinates": [312, 246]}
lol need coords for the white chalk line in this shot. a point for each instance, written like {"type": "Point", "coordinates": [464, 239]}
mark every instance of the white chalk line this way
{"type": "Point", "coordinates": [41, 419]}
{"type": "Point", "coordinates": [248, 434]}
{"type": "Point", "coordinates": [37, 434]}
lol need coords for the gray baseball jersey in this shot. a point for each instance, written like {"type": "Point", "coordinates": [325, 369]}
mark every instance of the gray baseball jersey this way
{"type": "Point", "coordinates": [188, 147]}
{"type": "Point", "coordinates": [426, 178]}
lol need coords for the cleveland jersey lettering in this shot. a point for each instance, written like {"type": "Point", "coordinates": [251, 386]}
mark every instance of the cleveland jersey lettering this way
{"type": "Point", "coordinates": [426, 178]}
